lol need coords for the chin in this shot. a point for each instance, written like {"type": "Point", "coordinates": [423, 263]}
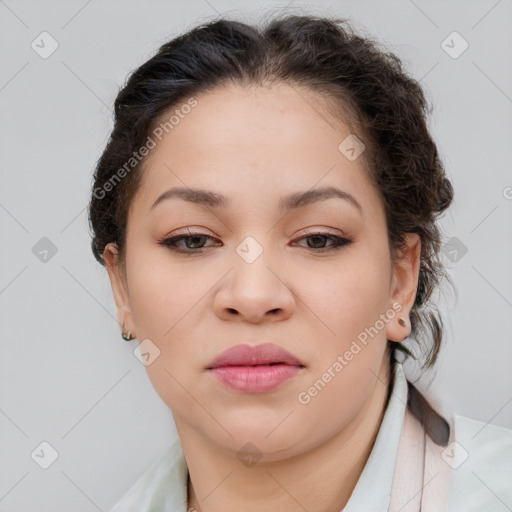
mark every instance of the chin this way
{"type": "Point", "coordinates": [260, 447]}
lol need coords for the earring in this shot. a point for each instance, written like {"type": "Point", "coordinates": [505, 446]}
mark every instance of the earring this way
{"type": "Point", "coordinates": [127, 336]}
{"type": "Point", "coordinates": [399, 345]}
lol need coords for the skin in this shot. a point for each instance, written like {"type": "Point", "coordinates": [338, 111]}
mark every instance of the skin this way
{"type": "Point", "coordinates": [255, 146]}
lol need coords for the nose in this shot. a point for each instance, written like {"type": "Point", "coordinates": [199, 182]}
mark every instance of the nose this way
{"type": "Point", "coordinates": [255, 292]}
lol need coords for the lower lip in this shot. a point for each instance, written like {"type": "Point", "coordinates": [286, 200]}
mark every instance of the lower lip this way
{"type": "Point", "coordinates": [255, 379]}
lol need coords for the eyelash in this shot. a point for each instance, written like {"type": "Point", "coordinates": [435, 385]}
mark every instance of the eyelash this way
{"type": "Point", "coordinates": [339, 242]}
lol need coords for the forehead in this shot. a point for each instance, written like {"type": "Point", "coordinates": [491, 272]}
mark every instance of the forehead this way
{"type": "Point", "coordinates": [276, 116]}
{"type": "Point", "coordinates": [260, 140]}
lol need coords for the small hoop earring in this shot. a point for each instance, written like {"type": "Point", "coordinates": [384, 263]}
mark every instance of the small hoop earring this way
{"type": "Point", "coordinates": [127, 336]}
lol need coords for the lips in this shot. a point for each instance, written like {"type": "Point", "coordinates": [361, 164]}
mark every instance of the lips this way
{"type": "Point", "coordinates": [259, 369]}
{"type": "Point", "coordinates": [245, 355]}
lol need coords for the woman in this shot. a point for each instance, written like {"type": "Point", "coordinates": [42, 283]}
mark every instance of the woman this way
{"type": "Point", "coordinates": [266, 208]}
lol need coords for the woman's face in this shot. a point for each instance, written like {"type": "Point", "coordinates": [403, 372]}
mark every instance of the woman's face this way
{"type": "Point", "coordinates": [251, 274]}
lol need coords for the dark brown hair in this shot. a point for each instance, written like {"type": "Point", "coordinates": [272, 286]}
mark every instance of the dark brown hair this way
{"type": "Point", "coordinates": [357, 79]}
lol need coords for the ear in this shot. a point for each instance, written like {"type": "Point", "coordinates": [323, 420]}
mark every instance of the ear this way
{"type": "Point", "coordinates": [119, 288]}
{"type": "Point", "coordinates": [404, 286]}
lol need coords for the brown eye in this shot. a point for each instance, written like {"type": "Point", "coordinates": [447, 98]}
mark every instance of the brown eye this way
{"type": "Point", "coordinates": [318, 241]}
{"type": "Point", "coordinates": [193, 242]}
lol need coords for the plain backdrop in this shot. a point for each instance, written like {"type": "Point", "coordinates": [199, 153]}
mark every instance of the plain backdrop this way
{"type": "Point", "coordinates": [67, 377]}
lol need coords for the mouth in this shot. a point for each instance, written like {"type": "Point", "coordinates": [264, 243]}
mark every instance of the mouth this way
{"type": "Point", "coordinates": [266, 354]}
{"type": "Point", "coordinates": [254, 365]}
{"type": "Point", "coordinates": [257, 369]}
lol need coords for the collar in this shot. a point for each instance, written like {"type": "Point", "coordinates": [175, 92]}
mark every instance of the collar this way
{"type": "Point", "coordinates": [164, 485]}
{"type": "Point", "coordinates": [372, 492]}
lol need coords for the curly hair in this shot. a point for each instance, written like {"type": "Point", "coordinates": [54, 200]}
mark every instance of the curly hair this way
{"type": "Point", "coordinates": [362, 83]}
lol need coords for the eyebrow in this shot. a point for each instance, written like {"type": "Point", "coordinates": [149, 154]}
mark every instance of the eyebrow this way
{"type": "Point", "coordinates": [293, 201]}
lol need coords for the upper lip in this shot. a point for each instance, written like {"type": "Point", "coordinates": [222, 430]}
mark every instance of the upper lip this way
{"type": "Point", "coordinates": [246, 355]}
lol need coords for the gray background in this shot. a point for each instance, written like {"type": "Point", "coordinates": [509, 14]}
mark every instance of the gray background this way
{"type": "Point", "coordinates": [67, 377]}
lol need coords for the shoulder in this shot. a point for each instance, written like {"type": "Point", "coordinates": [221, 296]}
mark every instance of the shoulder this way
{"type": "Point", "coordinates": [481, 461]}
{"type": "Point", "coordinates": [161, 487]}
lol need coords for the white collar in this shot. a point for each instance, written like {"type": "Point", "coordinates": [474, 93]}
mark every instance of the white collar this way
{"type": "Point", "coordinates": [372, 492]}
{"type": "Point", "coordinates": [163, 486]}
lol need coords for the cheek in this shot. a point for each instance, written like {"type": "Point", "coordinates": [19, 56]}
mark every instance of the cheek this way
{"type": "Point", "coordinates": [351, 307]}
{"type": "Point", "coordinates": [163, 294]}
{"type": "Point", "coordinates": [350, 298]}
{"type": "Point", "coordinates": [347, 361]}
{"type": "Point", "coordinates": [165, 301]}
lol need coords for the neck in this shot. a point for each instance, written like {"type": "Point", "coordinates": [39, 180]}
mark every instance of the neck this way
{"type": "Point", "coordinates": [320, 480]}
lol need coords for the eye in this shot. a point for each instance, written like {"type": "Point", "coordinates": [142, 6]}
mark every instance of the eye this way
{"type": "Point", "coordinates": [319, 239]}
{"type": "Point", "coordinates": [193, 239]}
{"type": "Point", "coordinates": [194, 242]}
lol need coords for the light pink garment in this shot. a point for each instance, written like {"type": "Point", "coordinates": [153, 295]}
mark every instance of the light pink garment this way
{"type": "Point", "coordinates": [422, 476]}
